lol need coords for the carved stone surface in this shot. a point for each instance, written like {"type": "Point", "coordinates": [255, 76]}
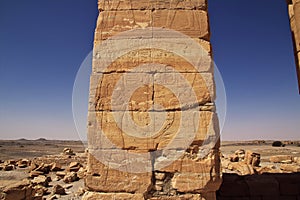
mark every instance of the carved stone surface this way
{"type": "Point", "coordinates": [151, 4]}
{"type": "Point", "coordinates": [152, 128]}
{"type": "Point", "coordinates": [294, 14]}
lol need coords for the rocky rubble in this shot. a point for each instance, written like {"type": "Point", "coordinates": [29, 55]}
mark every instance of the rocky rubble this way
{"type": "Point", "coordinates": [46, 180]}
{"type": "Point", "coordinates": [245, 162]}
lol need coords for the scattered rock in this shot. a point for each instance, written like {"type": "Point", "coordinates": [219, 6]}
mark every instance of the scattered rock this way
{"type": "Point", "coordinates": [55, 196]}
{"type": "Point", "coordinates": [56, 167]}
{"type": "Point", "coordinates": [58, 189]}
{"type": "Point", "coordinates": [234, 158]}
{"type": "Point", "coordinates": [41, 180]}
{"type": "Point", "coordinates": [280, 158]}
{"type": "Point", "coordinates": [8, 167]}
{"type": "Point", "coordinates": [61, 174]}
{"type": "Point", "coordinates": [70, 177]}
{"type": "Point", "coordinates": [40, 190]}
{"type": "Point", "coordinates": [33, 166]}
{"type": "Point", "coordinates": [10, 162]}
{"type": "Point", "coordinates": [252, 158]}
{"type": "Point", "coordinates": [20, 190]}
{"type": "Point", "coordinates": [68, 151]}
{"type": "Point", "coordinates": [80, 191]}
{"type": "Point", "coordinates": [23, 163]}
{"type": "Point", "coordinates": [44, 168]}
{"type": "Point", "coordinates": [74, 166]}
{"type": "Point", "coordinates": [268, 169]}
{"type": "Point", "coordinates": [240, 153]}
{"type": "Point", "coordinates": [81, 173]}
{"type": "Point", "coordinates": [33, 174]}
{"type": "Point", "coordinates": [290, 167]}
{"type": "Point", "coordinates": [242, 168]}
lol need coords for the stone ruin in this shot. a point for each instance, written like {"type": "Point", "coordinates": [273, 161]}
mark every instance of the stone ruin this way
{"type": "Point", "coordinates": [181, 159]}
{"type": "Point", "coordinates": [294, 15]}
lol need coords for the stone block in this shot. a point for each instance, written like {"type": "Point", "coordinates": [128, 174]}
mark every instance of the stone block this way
{"type": "Point", "coordinates": [181, 91]}
{"type": "Point", "coordinates": [193, 23]}
{"type": "Point", "coordinates": [196, 182]}
{"type": "Point", "coordinates": [280, 158]}
{"type": "Point", "coordinates": [166, 55]}
{"type": "Point", "coordinates": [188, 164]}
{"type": "Point", "coordinates": [113, 22]}
{"type": "Point", "coordinates": [110, 196]}
{"type": "Point", "coordinates": [107, 178]}
{"type": "Point", "coordinates": [150, 4]}
{"type": "Point", "coordinates": [120, 92]}
{"type": "Point", "coordinates": [148, 131]}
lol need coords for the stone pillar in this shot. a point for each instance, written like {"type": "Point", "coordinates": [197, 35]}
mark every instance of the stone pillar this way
{"type": "Point", "coordinates": [294, 15]}
{"type": "Point", "coordinates": [153, 131]}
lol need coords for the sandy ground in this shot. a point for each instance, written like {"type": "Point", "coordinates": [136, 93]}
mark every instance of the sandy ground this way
{"type": "Point", "coordinates": [43, 149]}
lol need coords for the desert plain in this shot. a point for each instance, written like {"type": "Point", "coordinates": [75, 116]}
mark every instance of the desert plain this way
{"type": "Point", "coordinates": [54, 169]}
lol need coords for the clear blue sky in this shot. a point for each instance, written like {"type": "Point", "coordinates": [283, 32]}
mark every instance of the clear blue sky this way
{"type": "Point", "coordinates": [43, 42]}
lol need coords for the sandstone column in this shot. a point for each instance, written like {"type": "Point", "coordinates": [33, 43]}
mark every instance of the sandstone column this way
{"type": "Point", "coordinates": [162, 140]}
{"type": "Point", "coordinates": [294, 15]}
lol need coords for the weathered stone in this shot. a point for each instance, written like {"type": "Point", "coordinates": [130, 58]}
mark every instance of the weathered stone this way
{"type": "Point", "coordinates": [191, 23]}
{"type": "Point", "coordinates": [159, 176]}
{"type": "Point", "coordinates": [142, 140]}
{"type": "Point", "coordinates": [155, 57]}
{"type": "Point", "coordinates": [195, 182]}
{"type": "Point", "coordinates": [19, 190]}
{"type": "Point", "coordinates": [242, 168]}
{"type": "Point", "coordinates": [186, 197]}
{"type": "Point", "coordinates": [81, 173]}
{"type": "Point", "coordinates": [109, 196]}
{"type": "Point", "coordinates": [234, 158]}
{"type": "Point", "coordinates": [10, 162]}
{"type": "Point", "coordinates": [58, 189]}
{"type": "Point", "coordinates": [33, 166]}
{"type": "Point", "coordinates": [280, 158]}
{"type": "Point", "coordinates": [80, 191]}
{"type": "Point", "coordinates": [268, 169]}
{"type": "Point", "coordinates": [74, 166]}
{"type": "Point", "coordinates": [297, 160]}
{"type": "Point", "coordinates": [290, 167]}
{"type": "Point", "coordinates": [240, 153]}
{"type": "Point", "coordinates": [113, 22]}
{"type": "Point", "coordinates": [41, 180]}
{"type": "Point", "coordinates": [70, 177]}
{"type": "Point", "coordinates": [202, 89]}
{"type": "Point", "coordinates": [61, 174]}
{"type": "Point", "coordinates": [68, 151]}
{"type": "Point", "coordinates": [8, 167]}
{"type": "Point", "coordinates": [149, 4]}
{"type": "Point", "coordinates": [186, 164]}
{"type": "Point", "coordinates": [102, 178]}
{"type": "Point", "coordinates": [40, 190]}
{"type": "Point", "coordinates": [151, 103]}
{"type": "Point", "coordinates": [23, 163]}
{"type": "Point", "coordinates": [56, 167]}
{"type": "Point", "coordinates": [35, 173]}
{"type": "Point", "coordinates": [252, 158]}
{"type": "Point", "coordinates": [45, 168]}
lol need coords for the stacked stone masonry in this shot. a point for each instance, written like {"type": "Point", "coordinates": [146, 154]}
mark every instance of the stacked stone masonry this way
{"type": "Point", "coordinates": [150, 174]}
{"type": "Point", "coordinates": [294, 15]}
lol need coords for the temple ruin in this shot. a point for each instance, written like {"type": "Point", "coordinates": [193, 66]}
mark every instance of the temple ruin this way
{"type": "Point", "coordinates": [294, 15]}
{"type": "Point", "coordinates": [161, 141]}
